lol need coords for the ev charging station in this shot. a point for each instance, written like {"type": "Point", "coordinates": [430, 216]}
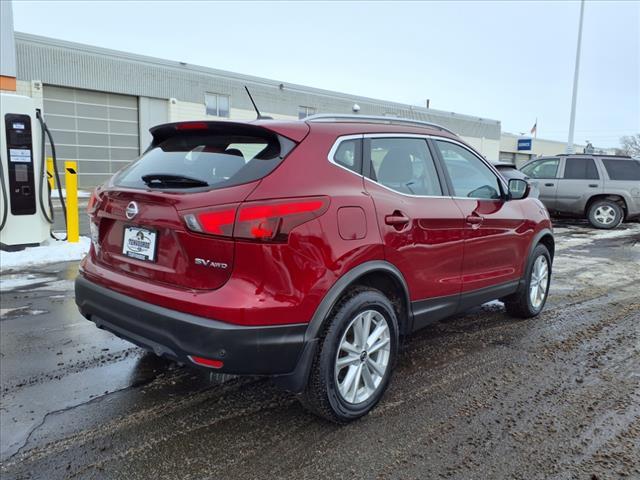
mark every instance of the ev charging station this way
{"type": "Point", "coordinates": [23, 218]}
{"type": "Point", "coordinates": [26, 212]}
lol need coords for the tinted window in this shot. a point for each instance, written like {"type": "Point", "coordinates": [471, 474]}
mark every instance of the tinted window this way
{"type": "Point", "coordinates": [348, 155]}
{"type": "Point", "coordinates": [470, 176]}
{"type": "Point", "coordinates": [542, 168]}
{"type": "Point", "coordinates": [217, 160]}
{"type": "Point", "coordinates": [404, 165]}
{"type": "Point", "coordinates": [580, 169]}
{"type": "Point", "coordinates": [622, 169]}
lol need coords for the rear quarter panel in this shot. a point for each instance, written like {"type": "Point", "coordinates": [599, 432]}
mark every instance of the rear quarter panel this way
{"type": "Point", "coordinates": [627, 189]}
{"type": "Point", "coordinates": [319, 252]}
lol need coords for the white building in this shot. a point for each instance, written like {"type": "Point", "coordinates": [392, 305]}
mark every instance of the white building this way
{"type": "Point", "coordinates": [100, 103]}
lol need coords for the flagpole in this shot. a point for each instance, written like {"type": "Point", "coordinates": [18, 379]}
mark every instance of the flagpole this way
{"type": "Point", "coordinates": [572, 121]}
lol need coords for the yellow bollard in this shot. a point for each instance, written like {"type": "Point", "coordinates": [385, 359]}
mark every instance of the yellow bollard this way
{"type": "Point", "coordinates": [50, 178]}
{"type": "Point", "coordinates": [71, 186]}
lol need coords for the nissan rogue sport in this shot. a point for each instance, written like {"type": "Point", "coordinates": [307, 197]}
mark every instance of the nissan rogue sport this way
{"type": "Point", "coordinates": [307, 250]}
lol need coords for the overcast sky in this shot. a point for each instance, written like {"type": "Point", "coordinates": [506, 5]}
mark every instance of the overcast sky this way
{"type": "Point", "coordinates": [508, 60]}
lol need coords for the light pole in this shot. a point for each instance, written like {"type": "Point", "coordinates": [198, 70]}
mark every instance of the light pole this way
{"type": "Point", "coordinates": [572, 121]}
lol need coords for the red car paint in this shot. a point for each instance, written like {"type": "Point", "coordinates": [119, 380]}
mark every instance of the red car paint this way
{"type": "Point", "coordinates": [443, 246]}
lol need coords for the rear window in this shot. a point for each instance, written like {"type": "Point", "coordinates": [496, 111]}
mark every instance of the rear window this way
{"type": "Point", "coordinates": [206, 161]}
{"type": "Point", "coordinates": [622, 169]}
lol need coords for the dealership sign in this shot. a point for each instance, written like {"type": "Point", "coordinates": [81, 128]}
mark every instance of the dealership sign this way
{"type": "Point", "coordinates": [524, 144]}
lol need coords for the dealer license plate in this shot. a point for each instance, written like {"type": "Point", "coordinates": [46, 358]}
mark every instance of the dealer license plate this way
{"type": "Point", "coordinates": [139, 243]}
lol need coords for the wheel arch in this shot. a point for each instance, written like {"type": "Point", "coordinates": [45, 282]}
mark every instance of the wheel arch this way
{"type": "Point", "coordinates": [544, 237]}
{"type": "Point", "coordinates": [548, 241]}
{"type": "Point", "coordinates": [378, 274]}
{"type": "Point", "coordinates": [614, 197]}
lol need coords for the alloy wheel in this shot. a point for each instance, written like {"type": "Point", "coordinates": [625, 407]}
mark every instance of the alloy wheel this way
{"type": "Point", "coordinates": [363, 357]}
{"type": "Point", "coordinates": [539, 282]}
{"type": "Point", "coordinates": [605, 215]}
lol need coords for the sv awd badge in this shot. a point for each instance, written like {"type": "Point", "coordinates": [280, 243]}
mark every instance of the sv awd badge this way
{"type": "Point", "coordinates": [210, 263]}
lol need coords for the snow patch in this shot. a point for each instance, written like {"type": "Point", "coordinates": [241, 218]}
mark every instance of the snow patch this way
{"type": "Point", "coordinates": [587, 236]}
{"type": "Point", "coordinates": [635, 229]}
{"type": "Point", "coordinates": [12, 282]}
{"type": "Point", "coordinates": [58, 286]}
{"type": "Point", "coordinates": [51, 251]}
{"type": "Point", "coordinates": [20, 311]}
{"type": "Point", "coordinates": [6, 311]}
{"type": "Point", "coordinates": [496, 303]}
{"type": "Point", "coordinates": [81, 193]}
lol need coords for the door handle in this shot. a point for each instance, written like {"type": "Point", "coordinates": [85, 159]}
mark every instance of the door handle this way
{"type": "Point", "coordinates": [593, 185]}
{"type": "Point", "coordinates": [474, 219]}
{"type": "Point", "coordinates": [549, 184]}
{"type": "Point", "coordinates": [397, 219]}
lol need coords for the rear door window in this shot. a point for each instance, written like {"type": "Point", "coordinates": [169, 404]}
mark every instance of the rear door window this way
{"type": "Point", "coordinates": [619, 169]}
{"type": "Point", "coordinates": [580, 169]}
{"type": "Point", "coordinates": [205, 160]}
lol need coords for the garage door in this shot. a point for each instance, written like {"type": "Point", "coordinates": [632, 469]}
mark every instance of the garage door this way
{"type": "Point", "coordinates": [98, 130]}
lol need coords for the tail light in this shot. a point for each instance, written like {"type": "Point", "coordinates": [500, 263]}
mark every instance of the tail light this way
{"type": "Point", "coordinates": [270, 221]}
{"type": "Point", "coordinates": [94, 201]}
{"type": "Point", "coordinates": [214, 222]}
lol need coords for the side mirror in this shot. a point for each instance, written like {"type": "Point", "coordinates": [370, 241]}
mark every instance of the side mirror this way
{"type": "Point", "coordinates": [518, 189]}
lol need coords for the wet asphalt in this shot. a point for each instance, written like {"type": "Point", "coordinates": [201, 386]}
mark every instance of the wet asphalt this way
{"type": "Point", "coordinates": [479, 396]}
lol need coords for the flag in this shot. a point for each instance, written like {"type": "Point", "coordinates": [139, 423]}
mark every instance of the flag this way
{"type": "Point", "coordinates": [534, 129]}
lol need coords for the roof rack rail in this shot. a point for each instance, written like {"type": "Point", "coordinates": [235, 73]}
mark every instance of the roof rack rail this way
{"type": "Point", "coordinates": [593, 154]}
{"type": "Point", "coordinates": [341, 117]}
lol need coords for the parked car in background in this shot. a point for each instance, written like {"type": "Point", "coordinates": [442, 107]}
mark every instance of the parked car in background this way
{"type": "Point", "coordinates": [605, 189]}
{"type": "Point", "coordinates": [305, 250]}
{"type": "Point", "coordinates": [509, 170]}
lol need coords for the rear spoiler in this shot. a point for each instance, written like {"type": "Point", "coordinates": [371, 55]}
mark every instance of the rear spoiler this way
{"type": "Point", "coordinates": [295, 131]}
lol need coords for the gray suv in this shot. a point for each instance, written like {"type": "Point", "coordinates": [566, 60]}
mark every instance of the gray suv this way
{"type": "Point", "coordinates": [603, 188]}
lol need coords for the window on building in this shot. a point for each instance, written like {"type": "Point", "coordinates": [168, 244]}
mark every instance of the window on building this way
{"type": "Point", "coordinates": [404, 165]}
{"type": "Point", "coordinates": [304, 112]}
{"type": "Point", "coordinates": [507, 157]}
{"type": "Point", "coordinates": [622, 169]}
{"type": "Point", "coordinates": [522, 158]}
{"type": "Point", "coordinates": [470, 177]}
{"type": "Point", "coordinates": [217, 104]}
{"type": "Point", "coordinates": [580, 169]}
{"type": "Point", "coordinates": [547, 168]}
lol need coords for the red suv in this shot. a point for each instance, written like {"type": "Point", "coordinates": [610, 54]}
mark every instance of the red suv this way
{"type": "Point", "coordinates": [306, 250]}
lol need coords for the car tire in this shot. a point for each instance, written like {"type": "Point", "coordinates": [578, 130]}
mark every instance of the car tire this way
{"type": "Point", "coordinates": [605, 214]}
{"type": "Point", "coordinates": [532, 293]}
{"type": "Point", "coordinates": [326, 393]}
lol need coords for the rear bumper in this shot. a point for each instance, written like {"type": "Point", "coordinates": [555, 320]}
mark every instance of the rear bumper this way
{"type": "Point", "coordinates": [272, 350]}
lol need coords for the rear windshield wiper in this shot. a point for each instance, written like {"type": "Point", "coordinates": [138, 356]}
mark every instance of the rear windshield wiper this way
{"type": "Point", "coordinates": [165, 180]}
